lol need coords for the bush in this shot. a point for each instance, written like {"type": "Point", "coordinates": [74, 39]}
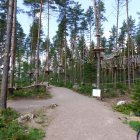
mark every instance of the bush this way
{"type": "Point", "coordinates": [69, 85]}
{"type": "Point", "coordinates": [124, 109]}
{"type": "Point", "coordinates": [136, 99]}
{"type": "Point", "coordinates": [85, 89]}
{"type": "Point", "coordinates": [121, 86]}
{"type": "Point", "coordinates": [135, 125]}
{"type": "Point", "coordinates": [58, 84]}
{"type": "Point", "coordinates": [35, 92]}
{"type": "Point", "coordinates": [109, 93]}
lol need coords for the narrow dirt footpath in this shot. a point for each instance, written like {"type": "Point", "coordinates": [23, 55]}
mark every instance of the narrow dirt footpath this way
{"type": "Point", "coordinates": [78, 117]}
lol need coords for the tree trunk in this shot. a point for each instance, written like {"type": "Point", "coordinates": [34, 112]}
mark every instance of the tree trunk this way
{"type": "Point", "coordinates": [128, 60]}
{"type": "Point", "coordinates": [65, 61]}
{"type": "Point", "coordinates": [4, 86]}
{"type": "Point", "coordinates": [13, 46]}
{"type": "Point", "coordinates": [19, 61]}
{"type": "Point", "coordinates": [97, 14]}
{"type": "Point", "coordinates": [83, 73]}
{"type": "Point", "coordinates": [38, 43]}
{"type": "Point", "coordinates": [48, 45]}
{"type": "Point", "coordinates": [116, 43]}
{"type": "Point", "coordinates": [65, 40]}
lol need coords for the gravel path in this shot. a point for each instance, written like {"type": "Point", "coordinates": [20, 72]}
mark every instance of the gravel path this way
{"type": "Point", "coordinates": [79, 118]}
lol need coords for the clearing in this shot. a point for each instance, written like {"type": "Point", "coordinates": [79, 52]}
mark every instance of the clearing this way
{"type": "Point", "coordinates": [77, 117]}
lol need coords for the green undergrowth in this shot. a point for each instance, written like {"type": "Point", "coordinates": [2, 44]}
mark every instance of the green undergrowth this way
{"type": "Point", "coordinates": [85, 89]}
{"type": "Point", "coordinates": [135, 125]}
{"type": "Point", "coordinates": [58, 84]}
{"type": "Point", "coordinates": [34, 92]}
{"type": "Point", "coordinates": [136, 98]}
{"type": "Point", "coordinates": [61, 84]}
{"type": "Point", "coordinates": [124, 109]}
{"type": "Point", "coordinates": [109, 93]}
{"type": "Point", "coordinates": [10, 129]}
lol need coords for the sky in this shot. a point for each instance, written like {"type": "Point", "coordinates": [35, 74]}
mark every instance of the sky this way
{"type": "Point", "coordinates": [110, 14]}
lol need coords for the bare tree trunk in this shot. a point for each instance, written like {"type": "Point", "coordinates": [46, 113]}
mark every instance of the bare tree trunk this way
{"type": "Point", "coordinates": [116, 43]}
{"type": "Point", "coordinates": [19, 61]}
{"type": "Point", "coordinates": [75, 61]}
{"type": "Point", "coordinates": [81, 81]}
{"type": "Point", "coordinates": [133, 63]}
{"type": "Point", "coordinates": [65, 62]}
{"type": "Point", "coordinates": [128, 29]}
{"type": "Point", "coordinates": [13, 45]}
{"type": "Point", "coordinates": [4, 86]}
{"type": "Point", "coordinates": [48, 44]}
{"type": "Point", "coordinates": [65, 44]}
{"type": "Point", "coordinates": [97, 14]}
{"type": "Point", "coordinates": [83, 73]}
{"type": "Point", "coordinates": [124, 70]}
{"type": "Point", "coordinates": [32, 60]}
{"type": "Point", "coordinates": [90, 34]}
{"type": "Point", "coordinates": [38, 43]}
{"type": "Point", "coordinates": [65, 40]}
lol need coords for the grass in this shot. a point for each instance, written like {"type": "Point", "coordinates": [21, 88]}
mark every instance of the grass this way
{"type": "Point", "coordinates": [124, 109]}
{"type": "Point", "coordinates": [135, 125]}
{"type": "Point", "coordinates": [39, 93]}
{"type": "Point", "coordinates": [10, 129]}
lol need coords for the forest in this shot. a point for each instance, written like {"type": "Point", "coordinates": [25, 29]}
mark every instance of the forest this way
{"type": "Point", "coordinates": [72, 58]}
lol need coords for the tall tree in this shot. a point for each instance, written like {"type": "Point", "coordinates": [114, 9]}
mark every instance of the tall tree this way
{"type": "Point", "coordinates": [38, 42]}
{"type": "Point", "coordinates": [112, 39]}
{"type": "Point", "coordinates": [76, 16]}
{"type": "Point", "coordinates": [34, 9]}
{"type": "Point", "coordinates": [4, 86]}
{"type": "Point", "coordinates": [63, 19]}
{"type": "Point", "coordinates": [13, 46]}
{"type": "Point", "coordinates": [90, 21]}
{"type": "Point", "coordinates": [128, 47]}
{"type": "Point", "coordinates": [97, 11]}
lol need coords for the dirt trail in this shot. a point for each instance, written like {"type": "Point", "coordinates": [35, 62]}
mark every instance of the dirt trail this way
{"type": "Point", "coordinates": [78, 117]}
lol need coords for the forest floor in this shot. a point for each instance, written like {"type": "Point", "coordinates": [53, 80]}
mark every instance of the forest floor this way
{"type": "Point", "coordinates": [71, 116]}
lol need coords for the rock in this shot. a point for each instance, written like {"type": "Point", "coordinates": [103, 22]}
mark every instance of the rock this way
{"type": "Point", "coordinates": [52, 106]}
{"type": "Point", "coordinates": [25, 118]}
{"type": "Point", "coordinates": [94, 85]}
{"type": "Point", "coordinates": [76, 86]}
{"type": "Point", "coordinates": [40, 120]}
{"type": "Point", "coordinates": [121, 103]}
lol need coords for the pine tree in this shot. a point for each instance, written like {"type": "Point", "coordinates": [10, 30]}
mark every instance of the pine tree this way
{"type": "Point", "coordinates": [4, 86]}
